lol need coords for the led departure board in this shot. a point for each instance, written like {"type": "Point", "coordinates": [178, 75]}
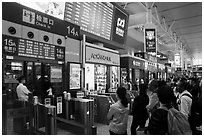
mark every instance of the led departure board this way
{"type": "Point", "coordinates": [35, 49]}
{"type": "Point", "coordinates": [29, 48]}
{"type": "Point", "coordinates": [93, 17]}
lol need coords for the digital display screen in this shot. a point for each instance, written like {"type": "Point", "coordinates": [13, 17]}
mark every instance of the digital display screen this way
{"type": "Point", "coordinates": [92, 17]}
{"type": "Point", "coordinates": [29, 48]}
{"type": "Point", "coordinates": [35, 49]}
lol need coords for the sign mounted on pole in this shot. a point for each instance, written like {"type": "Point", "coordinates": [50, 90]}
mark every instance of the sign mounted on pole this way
{"type": "Point", "coordinates": [150, 40]}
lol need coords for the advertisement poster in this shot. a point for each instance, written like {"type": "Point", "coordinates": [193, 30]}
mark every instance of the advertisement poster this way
{"type": "Point", "coordinates": [177, 60]}
{"type": "Point", "coordinates": [150, 40]}
{"type": "Point", "coordinates": [56, 74]}
{"type": "Point", "coordinates": [100, 77]}
{"type": "Point", "coordinates": [75, 76]}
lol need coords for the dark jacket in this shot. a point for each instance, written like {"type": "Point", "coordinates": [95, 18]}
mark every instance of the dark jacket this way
{"type": "Point", "coordinates": [158, 124]}
{"type": "Point", "coordinates": [139, 107]}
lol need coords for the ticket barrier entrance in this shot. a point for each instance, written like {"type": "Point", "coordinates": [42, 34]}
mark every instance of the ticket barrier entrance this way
{"type": "Point", "coordinates": [28, 118]}
{"type": "Point", "coordinates": [44, 120]}
{"type": "Point", "coordinates": [14, 117]}
{"type": "Point", "coordinates": [102, 106]}
{"type": "Point", "coordinates": [78, 117]}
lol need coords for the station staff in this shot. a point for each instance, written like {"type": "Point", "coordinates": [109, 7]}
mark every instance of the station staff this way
{"type": "Point", "coordinates": [22, 90]}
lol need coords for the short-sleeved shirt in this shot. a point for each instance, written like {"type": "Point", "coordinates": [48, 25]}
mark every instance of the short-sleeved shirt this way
{"type": "Point", "coordinates": [22, 92]}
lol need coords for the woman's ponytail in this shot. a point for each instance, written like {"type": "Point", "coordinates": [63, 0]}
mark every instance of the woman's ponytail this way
{"type": "Point", "coordinates": [121, 92]}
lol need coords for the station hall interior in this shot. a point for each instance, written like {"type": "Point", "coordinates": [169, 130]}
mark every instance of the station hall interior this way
{"type": "Point", "coordinates": [73, 56]}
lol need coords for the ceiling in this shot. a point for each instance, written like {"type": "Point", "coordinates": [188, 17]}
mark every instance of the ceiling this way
{"type": "Point", "coordinates": [178, 25]}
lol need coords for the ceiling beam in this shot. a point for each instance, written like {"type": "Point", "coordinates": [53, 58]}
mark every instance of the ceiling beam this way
{"type": "Point", "coordinates": [186, 18]}
{"type": "Point", "coordinates": [190, 33]}
{"type": "Point", "coordinates": [179, 7]}
{"type": "Point", "coordinates": [188, 26]}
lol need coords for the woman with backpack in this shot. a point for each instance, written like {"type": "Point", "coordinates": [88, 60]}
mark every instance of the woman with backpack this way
{"type": "Point", "coordinates": [118, 114]}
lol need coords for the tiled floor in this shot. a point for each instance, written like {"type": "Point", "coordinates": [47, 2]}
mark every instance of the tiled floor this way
{"type": "Point", "coordinates": [101, 129]}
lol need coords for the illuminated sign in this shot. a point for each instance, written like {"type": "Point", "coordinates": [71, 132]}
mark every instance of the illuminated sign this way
{"type": "Point", "coordinates": [119, 26]}
{"type": "Point", "coordinates": [150, 40]}
{"type": "Point", "coordinates": [101, 56]}
{"type": "Point", "coordinates": [29, 48]}
{"type": "Point", "coordinates": [92, 17]}
{"type": "Point", "coordinates": [177, 60]}
{"type": "Point", "coordinates": [20, 14]}
{"type": "Point", "coordinates": [135, 63]}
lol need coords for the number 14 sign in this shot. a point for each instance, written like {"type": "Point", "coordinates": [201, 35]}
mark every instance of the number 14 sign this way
{"type": "Point", "coordinates": [73, 31]}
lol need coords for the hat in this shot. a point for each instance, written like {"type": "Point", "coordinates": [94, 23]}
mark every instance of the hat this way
{"type": "Point", "coordinates": [20, 78]}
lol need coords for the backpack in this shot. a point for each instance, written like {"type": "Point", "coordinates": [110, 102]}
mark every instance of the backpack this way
{"type": "Point", "coordinates": [178, 123]}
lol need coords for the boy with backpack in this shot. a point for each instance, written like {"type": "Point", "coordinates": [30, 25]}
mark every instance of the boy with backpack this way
{"type": "Point", "coordinates": [190, 106]}
{"type": "Point", "coordinates": [166, 119]}
{"type": "Point", "coordinates": [184, 98]}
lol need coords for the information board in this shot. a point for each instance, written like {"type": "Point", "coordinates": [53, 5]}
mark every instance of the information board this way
{"type": "Point", "coordinates": [28, 48]}
{"type": "Point", "coordinates": [23, 15]}
{"type": "Point", "coordinates": [93, 17]}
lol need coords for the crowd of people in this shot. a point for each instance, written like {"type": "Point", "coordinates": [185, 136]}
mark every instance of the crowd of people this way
{"type": "Point", "coordinates": [154, 109]}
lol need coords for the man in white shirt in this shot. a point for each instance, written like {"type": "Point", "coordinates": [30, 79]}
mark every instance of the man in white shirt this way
{"type": "Point", "coordinates": [22, 90]}
{"type": "Point", "coordinates": [185, 98]}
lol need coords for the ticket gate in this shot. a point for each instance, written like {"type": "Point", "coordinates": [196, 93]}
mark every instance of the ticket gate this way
{"type": "Point", "coordinates": [102, 105]}
{"type": "Point", "coordinates": [79, 116]}
{"type": "Point", "coordinates": [14, 118]}
{"type": "Point", "coordinates": [42, 117]}
{"type": "Point", "coordinates": [28, 118]}
{"type": "Point", "coordinates": [44, 120]}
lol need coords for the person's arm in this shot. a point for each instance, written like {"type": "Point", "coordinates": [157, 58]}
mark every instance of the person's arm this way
{"type": "Point", "coordinates": [25, 90]}
{"type": "Point", "coordinates": [110, 113]}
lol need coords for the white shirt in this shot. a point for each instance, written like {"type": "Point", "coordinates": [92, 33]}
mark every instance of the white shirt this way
{"type": "Point", "coordinates": [185, 103]}
{"type": "Point", "coordinates": [22, 92]}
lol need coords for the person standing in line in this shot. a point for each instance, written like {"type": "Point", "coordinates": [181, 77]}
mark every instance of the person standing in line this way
{"type": "Point", "coordinates": [158, 123]}
{"type": "Point", "coordinates": [22, 90]}
{"type": "Point", "coordinates": [139, 111]}
{"type": "Point", "coordinates": [118, 114]}
{"type": "Point", "coordinates": [152, 93]}
{"type": "Point", "coordinates": [195, 90]}
{"type": "Point", "coordinates": [184, 101]}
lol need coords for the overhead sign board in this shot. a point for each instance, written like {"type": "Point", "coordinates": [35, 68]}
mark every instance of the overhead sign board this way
{"type": "Point", "coordinates": [28, 48]}
{"type": "Point", "coordinates": [119, 26]}
{"type": "Point", "coordinates": [95, 55]}
{"type": "Point", "coordinates": [150, 40]}
{"type": "Point", "coordinates": [23, 15]}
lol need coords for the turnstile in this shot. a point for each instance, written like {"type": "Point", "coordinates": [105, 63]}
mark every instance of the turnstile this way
{"type": "Point", "coordinates": [79, 117]}
{"type": "Point", "coordinates": [102, 106]}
